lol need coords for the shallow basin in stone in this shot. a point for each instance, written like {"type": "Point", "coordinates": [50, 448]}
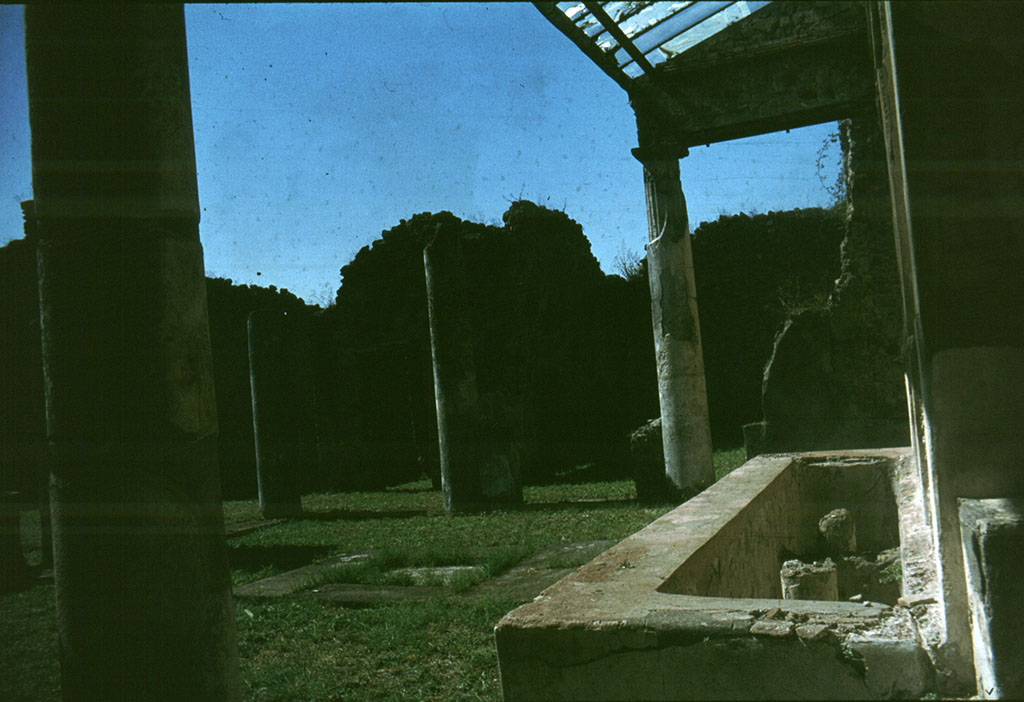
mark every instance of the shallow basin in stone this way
{"type": "Point", "coordinates": [689, 607]}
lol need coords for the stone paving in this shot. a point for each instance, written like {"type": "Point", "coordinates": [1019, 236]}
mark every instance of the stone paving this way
{"type": "Point", "coordinates": [522, 583]}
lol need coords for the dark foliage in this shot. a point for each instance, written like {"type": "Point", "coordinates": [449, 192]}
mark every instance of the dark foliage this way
{"type": "Point", "coordinates": [549, 329]}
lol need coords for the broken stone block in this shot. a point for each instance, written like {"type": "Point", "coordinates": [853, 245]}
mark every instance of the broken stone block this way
{"type": "Point", "coordinates": [772, 628]}
{"type": "Point", "coordinates": [647, 464]}
{"type": "Point", "coordinates": [813, 632]}
{"type": "Point", "coordinates": [809, 581]}
{"type": "Point", "coordinates": [915, 600]}
{"type": "Point", "coordinates": [839, 531]}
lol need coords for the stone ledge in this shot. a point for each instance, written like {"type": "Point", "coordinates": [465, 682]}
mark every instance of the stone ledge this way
{"type": "Point", "coordinates": [613, 630]}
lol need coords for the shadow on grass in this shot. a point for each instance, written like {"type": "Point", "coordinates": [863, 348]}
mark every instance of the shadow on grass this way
{"type": "Point", "coordinates": [570, 505]}
{"type": "Point", "coordinates": [335, 514]}
{"type": "Point", "coordinates": [15, 580]}
{"type": "Point", "coordinates": [578, 505]}
{"type": "Point", "coordinates": [278, 557]}
{"type": "Point", "coordinates": [413, 490]}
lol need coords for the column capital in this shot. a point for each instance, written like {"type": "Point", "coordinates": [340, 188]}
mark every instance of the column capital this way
{"type": "Point", "coordinates": [665, 151]}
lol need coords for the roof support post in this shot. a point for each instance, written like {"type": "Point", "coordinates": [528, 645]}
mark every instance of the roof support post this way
{"type": "Point", "coordinates": [144, 608]}
{"type": "Point", "coordinates": [686, 431]}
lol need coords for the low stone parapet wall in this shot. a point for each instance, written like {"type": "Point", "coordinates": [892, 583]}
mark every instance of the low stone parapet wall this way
{"type": "Point", "coordinates": [689, 607]}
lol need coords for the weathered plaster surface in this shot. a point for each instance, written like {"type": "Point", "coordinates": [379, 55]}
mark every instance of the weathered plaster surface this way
{"type": "Point", "coordinates": [686, 432]}
{"type": "Point", "coordinates": [618, 628]}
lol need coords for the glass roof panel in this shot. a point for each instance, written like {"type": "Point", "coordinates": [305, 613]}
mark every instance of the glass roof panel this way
{"type": "Point", "coordinates": [633, 70]}
{"type": "Point", "coordinates": [709, 27]}
{"type": "Point", "coordinates": [654, 15]}
{"type": "Point", "coordinates": [656, 30]}
{"type": "Point", "coordinates": [571, 9]}
{"type": "Point", "coordinates": [645, 15]}
{"type": "Point", "coordinates": [681, 22]}
{"type": "Point", "coordinates": [670, 27]}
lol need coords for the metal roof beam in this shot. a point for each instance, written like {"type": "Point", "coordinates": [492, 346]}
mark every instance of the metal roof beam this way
{"type": "Point", "coordinates": [606, 62]}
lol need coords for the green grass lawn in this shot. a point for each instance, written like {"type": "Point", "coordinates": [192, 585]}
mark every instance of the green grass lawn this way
{"type": "Point", "coordinates": [299, 648]}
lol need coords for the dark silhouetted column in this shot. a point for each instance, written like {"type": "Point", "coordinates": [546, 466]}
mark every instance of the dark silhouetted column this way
{"type": "Point", "coordinates": [479, 461]}
{"type": "Point", "coordinates": [23, 466]}
{"type": "Point", "coordinates": [144, 607]}
{"type": "Point", "coordinates": [686, 432]}
{"type": "Point", "coordinates": [282, 410]}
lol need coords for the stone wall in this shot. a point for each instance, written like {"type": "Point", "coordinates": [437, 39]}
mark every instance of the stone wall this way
{"type": "Point", "coordinates": [753, 271]}
{"type": "Point", "coordinates": [835, 378]}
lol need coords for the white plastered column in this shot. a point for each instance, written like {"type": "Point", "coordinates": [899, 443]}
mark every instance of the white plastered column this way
{"type": "Point", "coordinates": [686, 431]}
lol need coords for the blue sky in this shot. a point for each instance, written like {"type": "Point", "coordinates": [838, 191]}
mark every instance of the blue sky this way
{"type": "Point", "coordinates": [319, 126]}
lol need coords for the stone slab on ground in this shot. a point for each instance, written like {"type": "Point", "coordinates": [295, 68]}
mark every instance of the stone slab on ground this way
{"type": "Point", "coordinates": [442, 575]}
{"type": "Point", "coordinates": [556, 555]}
{"type": "Point", "coordinates": [294, 580]}
{"type": "Point", "coordinates": [519, 587]}
{"type": "Point", "coordinates": [538, 572]}
{"type": "Point", "coordinates": [358, 594]}
{"type": "Point", "coordinates": [521, 583]}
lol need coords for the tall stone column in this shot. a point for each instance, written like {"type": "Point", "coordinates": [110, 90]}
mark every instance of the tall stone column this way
{"type": "Point", "coordinates": [143, 592]}
{"type": "Point", "coordinates": [686, 431]}
{"type": "Point", "coordinates": [479, 463]}
{"type": "Point", "coordinates": [284, 425]}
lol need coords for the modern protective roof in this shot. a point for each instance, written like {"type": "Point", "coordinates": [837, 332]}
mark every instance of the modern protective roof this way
{"type": "Point", "coordinates": [628, 39]}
